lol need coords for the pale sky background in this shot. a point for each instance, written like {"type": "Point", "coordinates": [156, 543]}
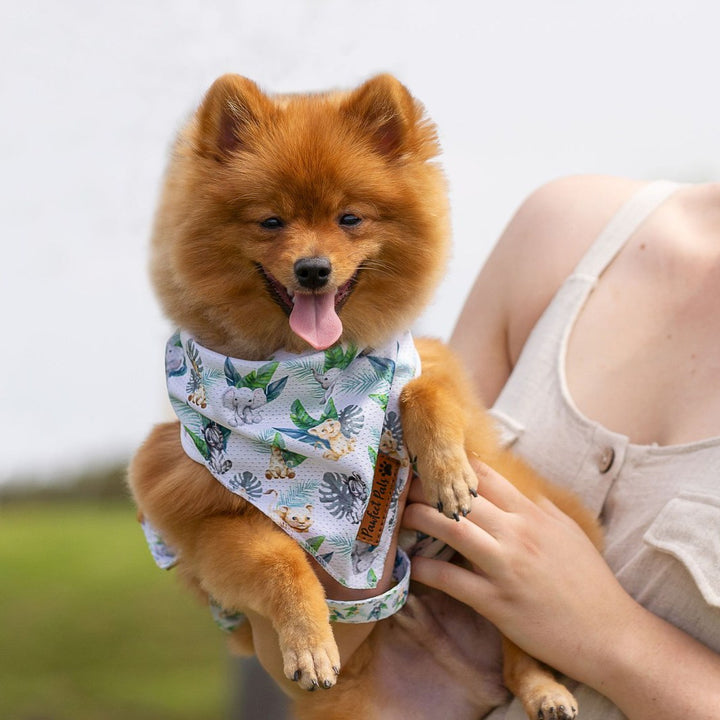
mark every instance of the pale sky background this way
{"type": "Point", "coordinates": [92, 92]}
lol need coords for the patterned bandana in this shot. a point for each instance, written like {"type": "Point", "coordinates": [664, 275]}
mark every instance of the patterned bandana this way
{"type": "Point", "coordinates": [313, 440]}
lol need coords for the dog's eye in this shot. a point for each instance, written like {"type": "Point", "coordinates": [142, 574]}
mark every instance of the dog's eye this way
{"type": "Point", "coordinates": [349, 220]}
{"type": "Point", "coordinates": [272, 223]}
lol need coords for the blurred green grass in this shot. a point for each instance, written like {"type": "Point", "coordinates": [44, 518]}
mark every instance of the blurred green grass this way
{"type": "Point", "coordinates": [91, 629]}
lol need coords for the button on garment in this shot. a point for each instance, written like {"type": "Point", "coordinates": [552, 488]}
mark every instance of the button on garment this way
{"type": "Point", "coordinates": [659, 506]}
{"type": "Point", "coordinates": [606, 460]}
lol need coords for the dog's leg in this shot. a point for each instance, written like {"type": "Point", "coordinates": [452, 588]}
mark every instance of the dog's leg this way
{"type": "Point", "coordinates": [438, 416]}
{"type": "Point", "coordinates": [244, 563]}
{"type": "Point", "coordinates": [534, 685]}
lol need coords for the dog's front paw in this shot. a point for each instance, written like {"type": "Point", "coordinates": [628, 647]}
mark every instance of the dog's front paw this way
{"type": "Point", "coordinates": [553, 703]}
{"type": "Point", "coordinates": [311, 662]}
{"type": "Point", "coordinates": [449, 484]}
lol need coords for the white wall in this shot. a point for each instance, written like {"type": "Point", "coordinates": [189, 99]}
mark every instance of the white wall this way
{"type": "Point", "coordinates": [92, 92]}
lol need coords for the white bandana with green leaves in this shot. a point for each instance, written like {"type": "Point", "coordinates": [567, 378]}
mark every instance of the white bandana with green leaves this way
{"type": "Point", "coordinates": [299, 436]}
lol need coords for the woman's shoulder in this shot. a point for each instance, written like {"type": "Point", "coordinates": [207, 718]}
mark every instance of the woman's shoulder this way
{"type": "Point", "coordinates": [546, 238]}
{"type": "Point", "coordinates": [551, 230]}
{"type": "Point", "coordinates": [557, 223]}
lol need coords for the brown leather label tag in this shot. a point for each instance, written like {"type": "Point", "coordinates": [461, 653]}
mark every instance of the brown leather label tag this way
{"type": "Point", "coordinates": [384, 480]}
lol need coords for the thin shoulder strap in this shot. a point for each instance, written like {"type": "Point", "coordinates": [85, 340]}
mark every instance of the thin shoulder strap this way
{"type": "Point", "coordinates": [622, 226]}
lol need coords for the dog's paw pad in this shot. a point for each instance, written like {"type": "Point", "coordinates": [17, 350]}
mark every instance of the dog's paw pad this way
{"type": "Point", "coordinates": [312, 666]}
{"type": "Point", "coordinates": [558, 705]}
{"type": "Point", "coordinates": [451, 487]}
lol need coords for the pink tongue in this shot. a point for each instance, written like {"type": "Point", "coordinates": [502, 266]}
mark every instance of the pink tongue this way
{"type": "Point", "coordinates": [314, 319]}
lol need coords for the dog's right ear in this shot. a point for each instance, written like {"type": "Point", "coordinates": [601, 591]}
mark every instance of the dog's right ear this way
{"type": "Point", "coordinates": [232, 107]}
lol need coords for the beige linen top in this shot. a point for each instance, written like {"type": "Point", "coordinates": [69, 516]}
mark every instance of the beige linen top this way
{"type": "Point", "coordinates": [659, 505]}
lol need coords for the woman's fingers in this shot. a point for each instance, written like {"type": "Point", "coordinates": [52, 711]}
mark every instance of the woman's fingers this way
{"type": "Point", "coordinates": [496, 488]}
{"type": "Point", "coordinates": [491, 486]}
{"type": "Point", "coordinates": [467, 537]}
{"type": "Point", "coordinates": [462, 584]}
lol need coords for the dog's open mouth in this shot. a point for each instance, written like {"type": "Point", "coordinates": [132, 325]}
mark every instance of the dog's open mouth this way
{"type": "Point", "coordinates": [313, 316]}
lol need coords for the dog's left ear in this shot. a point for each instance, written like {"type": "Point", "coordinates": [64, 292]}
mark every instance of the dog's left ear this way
{"type": "Point", "coordinates": [384, 109]}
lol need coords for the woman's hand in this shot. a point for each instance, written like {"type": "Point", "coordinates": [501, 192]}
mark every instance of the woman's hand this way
{"type": "Point", "coordinates": [535, 574]}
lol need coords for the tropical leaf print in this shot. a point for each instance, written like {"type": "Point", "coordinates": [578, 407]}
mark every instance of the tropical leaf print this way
{"type": "Point", "coordinates": [210, 377]}
{"type": "Point", "coordinates": [274, 389]}
{"type": "Point", "coordinates": [200, 443]}
{"type": "Point", "coordinates": [336, 357]}
{"type": "Point", "coordinates": [314, 543]}
{"type": "Point", "coordinates": [299, 494]}
{"type": "Point", "coordinates": [351, 420]}
{"type": "Point", "coordinates": [302, 419]}
{"type": "Point", "coordinates": [330, 412]}
{"type": "Point", "coordinates": [373, 456]}
{"type": "Point", "coordinates": [343, 496]}
{"type": "Point", "coordinates": [341, 544]}
{"type": "Point", "coordinates": [187, 416]}
{"type": "Point", "coordinates": [194, 357]}
{"type": "Point", "coordinates": [384, 367]}
{"type": "Point", "coordinates": [292, 459]}
{"type": "Point", "coordinates": [194, 382]}
{"type": "Point", "coordinates": [248, 483]}
{"type": "Point", "coordinates": [255, 379]}
{"type": "Point", "coordinates": [263, 440]}
{"type": "Point", "coordinates": [380, 399]}
{"type": "Point", "coordinates": [363, 382]}
{"type": "Point", "coordinates": [232, 376]}
{"type": "Point", "coordinates": [304, 436]}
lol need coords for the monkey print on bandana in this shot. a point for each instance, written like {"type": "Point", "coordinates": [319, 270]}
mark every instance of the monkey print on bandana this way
{"type": "Point", "coordinates": [312, 440]}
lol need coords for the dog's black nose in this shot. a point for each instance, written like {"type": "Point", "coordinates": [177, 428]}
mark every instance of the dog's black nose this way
{"type": "Point", "coordinates": [313, 273]}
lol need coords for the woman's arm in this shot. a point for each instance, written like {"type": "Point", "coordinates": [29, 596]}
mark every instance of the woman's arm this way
{"type": "Point", "coordinates": [540, 580]}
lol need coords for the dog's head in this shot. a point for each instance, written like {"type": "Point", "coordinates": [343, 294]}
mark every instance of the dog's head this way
{"type": "Point", "coordinates": [297, 220]}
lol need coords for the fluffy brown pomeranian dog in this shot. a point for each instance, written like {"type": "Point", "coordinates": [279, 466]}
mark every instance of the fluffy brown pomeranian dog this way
{"type": "Point", "coordinates": [297, 239]}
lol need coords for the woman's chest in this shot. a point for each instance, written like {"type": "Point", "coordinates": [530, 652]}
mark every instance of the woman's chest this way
{"type": "Point", "coordinates": [643, 358]}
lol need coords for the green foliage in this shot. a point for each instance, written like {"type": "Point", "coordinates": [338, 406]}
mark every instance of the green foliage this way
{"type": "Point", "coordinates": [91, 629]}
{"type": "Point", "coordinates": [336, 357]}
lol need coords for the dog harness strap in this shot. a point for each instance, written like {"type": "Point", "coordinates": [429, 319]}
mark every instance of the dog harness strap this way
{"type": "Point", "coordinates": [312, 440]}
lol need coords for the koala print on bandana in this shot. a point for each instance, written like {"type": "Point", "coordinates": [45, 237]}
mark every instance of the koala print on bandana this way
{"type": "Point", "coordinates": [299, 436]}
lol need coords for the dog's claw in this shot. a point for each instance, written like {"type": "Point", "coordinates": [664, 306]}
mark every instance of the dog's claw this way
{"type": "Point", "coordinates": [439, 506]}
{"type": "Point", "coordinates": [474, 493]}
{"type": "Point", "coordinates": [456, 517]}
